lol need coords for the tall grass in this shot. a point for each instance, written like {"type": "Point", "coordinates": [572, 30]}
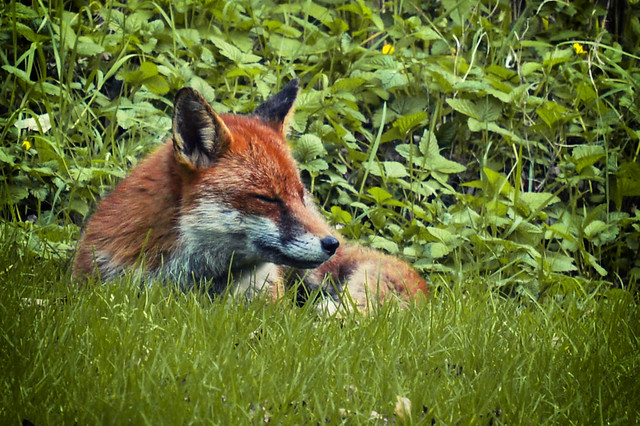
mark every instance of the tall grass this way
{"type": "Point", "coordinates": [115, 353]}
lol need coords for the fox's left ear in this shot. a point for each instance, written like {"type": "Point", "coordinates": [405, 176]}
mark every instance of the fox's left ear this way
{"type": "Point", "coordinates": [199, 134]}
{"type": "Point", "coordinates": [277, 111]}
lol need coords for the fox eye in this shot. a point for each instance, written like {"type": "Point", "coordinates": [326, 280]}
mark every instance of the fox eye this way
{"type": "Point", "coordinates": [267, 199]}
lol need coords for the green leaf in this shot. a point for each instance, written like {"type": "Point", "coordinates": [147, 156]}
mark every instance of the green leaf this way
{"type": "Point", "coordinates": [379, 194]}
{"type": "Point", "coordinates": [6, 157]}
{"type": "Point", "coordinates": [408, 123]}
{"type": "Point", "coordinates": [18, 193]}
{"type": "Point", "coordinates": [559, 262]}
{"type": "Point", "coordinates": [551, 113]}
{"type": "Point", "coordinates": [145, 71]}
{"type": "Point", "coordinates": [443, 235]}
{"type": "Point", "coordinates": [394, 169]}
{"type": "Point", "coordinates": [594, 263]}
{"type": "Point", "coordinates": [498, 182]}
{"type": "Point", "coordinates": [391, 78]}
{"type": "Point", "coordinates": [433, 160]}
{"type": "Point", "coordinates": [157, 84]}
{"type": "Point", "coordinates": [437, 250]}
{"type": "Point", "coordinates": [87, 47]}
{"type": "Point", "coordinates": [233, 53]}
{"type": "Point", "coordinates": [535, 201]}
{"type": "Point", "coordinates": [340, 216]}
{"type": "Point", "coordinates": [21, 74]}
{"type": "Point", "coordinates": [204, 88]}
{"type": "Point", "coordinates": [586, 155]}
{"type": "Point", "coordinates": [383, 244]}
{"type": "Point", "coordinates": [477, 126]}
{"type": "Point", "coordinates": [466, 107]}
{"type": "Point", "coordinates": [308, 147]}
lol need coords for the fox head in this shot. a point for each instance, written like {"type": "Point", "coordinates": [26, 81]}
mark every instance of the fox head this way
{"type": "Point", "coordinates": [242, 198]}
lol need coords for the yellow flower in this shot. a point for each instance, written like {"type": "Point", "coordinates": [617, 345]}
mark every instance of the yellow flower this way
{"type": "Point", "coordinates": [26, 145]}
{"type": "Point", "coordinates": [578, 49]}
{"type": "Point", "coordinates": [388, 49]}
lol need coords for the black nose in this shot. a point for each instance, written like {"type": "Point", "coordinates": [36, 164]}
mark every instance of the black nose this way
{"type": "Point", "coordinates": [330, 245]}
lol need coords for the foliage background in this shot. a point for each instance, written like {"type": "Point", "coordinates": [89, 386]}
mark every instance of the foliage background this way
{"type": "Point", "coordinates": [492, 144]}
{"type": "Point", "coordinates": [458, 134]}
{"type": "Point", "coordinates": [461, 135]}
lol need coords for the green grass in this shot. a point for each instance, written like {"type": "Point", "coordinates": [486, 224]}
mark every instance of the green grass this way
{"type": "Point", "coordinates": [115, 354]}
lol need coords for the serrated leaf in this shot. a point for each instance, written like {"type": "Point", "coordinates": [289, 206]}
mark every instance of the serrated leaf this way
{"type": "Point", "coordinates": [426, 33]}
{"type": "Point", "coordinates": [443, 165]}
{"type": "Point", "coordinates": [395, 169]}
{"type": "Point", "coordinates": [559, 262]}
{"type": "Point", "coordinates": [536, 201]}
{"type": "Point", "coordinates": [233, 53]}
{"type": "Point", "coordinates": [477, 126]}
{"type": "Point", "coordinates": [79, 206]}
{"type": "Point", "coordinates": [17, 193]}
{"type": "Point", "coordinates": [190, 36]}
{"type": "Point", "coordinates": [408, 123]}
{"type": "Point", "coordinates": [391, 78]}
{"type": "Point", "coordinates": [587, 155]}
{"type": "Point", "coordinates": [145, 70]}
{"type": "Point", "coordinates": [315, 165]}
{"type": "Point", "coordinates": [551, 113]}
{"type": "Point", "coordinates": [594, 228]}
{"type": "Point", "coordinates": [6, 158]}
{"type": "Point", "coordinates": [432, 158]}
{"type": "Point", "coordinates": [308, 147]}
{"type": "Point", "coordinates": [466, 107]}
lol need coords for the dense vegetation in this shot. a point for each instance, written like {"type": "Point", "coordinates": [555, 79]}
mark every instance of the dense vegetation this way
{"type": "Point", "coordinates": [455, 133]}
{"type": "Point", "coordinates": [495, 149]}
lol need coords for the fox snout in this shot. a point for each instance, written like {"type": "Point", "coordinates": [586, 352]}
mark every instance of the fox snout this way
{"type": "Point", "coordinates": [303, 251]}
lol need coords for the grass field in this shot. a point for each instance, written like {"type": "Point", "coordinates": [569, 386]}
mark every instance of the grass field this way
{"type": "Point", "coordinates": [115, 354]}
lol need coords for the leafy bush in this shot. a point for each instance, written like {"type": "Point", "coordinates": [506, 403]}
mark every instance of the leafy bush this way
{"type": "Point", "coordinates": [460, 135]}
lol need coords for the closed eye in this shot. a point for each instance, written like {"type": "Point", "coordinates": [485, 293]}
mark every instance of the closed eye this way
{"type": "Point", "coordinates": [267, 199]}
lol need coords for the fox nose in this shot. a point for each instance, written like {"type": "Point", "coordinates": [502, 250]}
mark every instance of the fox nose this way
{"type": "Point", "coordinates": [329, 245]}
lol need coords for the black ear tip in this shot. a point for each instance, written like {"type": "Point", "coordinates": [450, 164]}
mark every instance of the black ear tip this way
{"type": "Point", "coordinates": [185, 92]}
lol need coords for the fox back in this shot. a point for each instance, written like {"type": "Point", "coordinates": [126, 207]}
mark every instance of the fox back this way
{"type": "Point", "coordinates": [218, 199]}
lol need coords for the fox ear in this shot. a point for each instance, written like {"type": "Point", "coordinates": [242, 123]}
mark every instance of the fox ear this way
{"type": "Point", "coordinates": [199, 134]}
{"type": "Point", "coordinates": [277, 111]}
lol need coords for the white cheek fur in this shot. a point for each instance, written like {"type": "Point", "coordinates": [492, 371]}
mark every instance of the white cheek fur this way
{"type": "Point", "coordinates": [214, 237]}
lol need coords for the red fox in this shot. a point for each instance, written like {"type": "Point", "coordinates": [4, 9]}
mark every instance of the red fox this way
{"type": "Point", "coordinates": [223, 197]}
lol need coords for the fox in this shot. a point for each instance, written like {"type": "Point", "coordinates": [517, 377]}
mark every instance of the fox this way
{"type": "Point", "coordinates": [222, 202]}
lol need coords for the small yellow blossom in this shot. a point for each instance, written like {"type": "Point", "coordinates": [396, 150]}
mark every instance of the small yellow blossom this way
{"type": "Point", "coordinates": [578, 49]}
{"type": "Point", "coordinates": [388, 49]}
{"type": "Point", "coordinates": [26, 145]}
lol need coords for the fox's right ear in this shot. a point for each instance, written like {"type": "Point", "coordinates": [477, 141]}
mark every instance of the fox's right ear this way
{"type": "Point", "coordinates": [278, 110]}
{"type": "Point", "coordinates": [199, 134]}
